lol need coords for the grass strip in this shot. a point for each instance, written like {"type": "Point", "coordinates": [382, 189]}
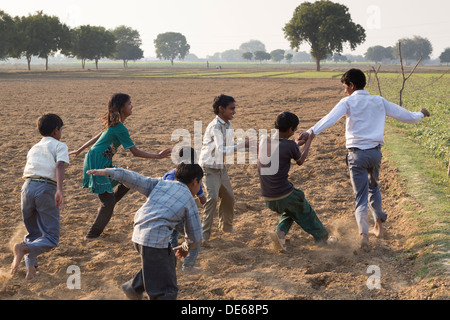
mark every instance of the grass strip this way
{"type": "Point", "coordinates": [425, 180]}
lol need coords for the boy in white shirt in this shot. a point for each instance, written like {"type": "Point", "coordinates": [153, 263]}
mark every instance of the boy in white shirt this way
{"type": "Point", "coordinates": [42, 194]}
{"type": "Point", "coordinates": [365, 120]}
{"type": "Point", "coordinates": [217, 144]}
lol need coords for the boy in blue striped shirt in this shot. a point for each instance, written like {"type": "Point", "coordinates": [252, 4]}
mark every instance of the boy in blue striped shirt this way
{"type": "Point", "coordinates": [168, 204]}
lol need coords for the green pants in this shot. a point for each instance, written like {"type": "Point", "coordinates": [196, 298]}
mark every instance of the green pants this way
{"type": "Point", "coordinates": [295, 208]}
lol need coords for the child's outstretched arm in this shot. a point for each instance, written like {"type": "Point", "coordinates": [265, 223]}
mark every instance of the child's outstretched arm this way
{"type": "Point", "coordinates": [142, 154]}
{"type": "Point", "coordinates": [129, 178]}
{"type": "Point", "coordinates": [86, 145]}
{"type": "Point", "coordinates": [305, 150]}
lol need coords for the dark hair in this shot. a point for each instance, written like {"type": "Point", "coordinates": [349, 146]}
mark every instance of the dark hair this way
{"type": "Point", "coordinates": [187, 155]}
{"type": "Point", "coordinates": [221, 101]}
{"type": "Point", "coordinates": [49, 122]}
{"type": "Point", "coordinates": [285, 121]}
{"type": "Point", "coordinates": [185, 173]}
{"type": "Point", "coordinates": [355, 76]}
{"type": "Point", "coordinates": [115, 105]}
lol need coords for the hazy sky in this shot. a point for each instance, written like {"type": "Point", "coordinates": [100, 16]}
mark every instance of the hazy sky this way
{"type": "Point", "coordinates": [212, 26]}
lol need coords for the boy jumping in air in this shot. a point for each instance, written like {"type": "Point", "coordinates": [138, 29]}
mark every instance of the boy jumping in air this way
{"type": "Point", "coordinates": [365, 119]}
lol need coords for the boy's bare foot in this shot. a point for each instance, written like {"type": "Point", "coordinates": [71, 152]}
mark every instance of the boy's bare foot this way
{"type": "Point", "coordinates": [332, 240]}
{"type": "Point", "coordinates": [365, 242]}
{"type": "Point", "coordinates": [378, 229]}
{"type": "Point", "coordinates": [31, 272]}
{"type": "Point", "coordinates": [20, 249]}
{"type": "Point", "coordinates": [279, 240]}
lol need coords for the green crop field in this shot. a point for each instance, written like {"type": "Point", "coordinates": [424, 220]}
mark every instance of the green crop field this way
{"type": "Point", "coordinates": [421, 153]}
{"type": "Point", "coordinates": [422, 90]}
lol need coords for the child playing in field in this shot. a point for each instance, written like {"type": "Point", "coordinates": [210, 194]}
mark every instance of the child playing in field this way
{"type": "Point", "coordinates": [168, 204]}
{"type": "Point", "coordinates": [42, 194]}
{"type": "Point", "coordinates": [366, 115]}
{"type": "Point", "coordinates": [105, 145]}
{"type": "Point", "coordinates": [217, 183]}
{"type": "Point", "coordinates": [189, 262]}
{"type": "Point", "coordinates": [279, 193]}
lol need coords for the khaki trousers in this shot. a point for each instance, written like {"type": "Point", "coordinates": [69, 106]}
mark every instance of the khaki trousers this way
{"type": "Point", "coordinates": [218, 187]}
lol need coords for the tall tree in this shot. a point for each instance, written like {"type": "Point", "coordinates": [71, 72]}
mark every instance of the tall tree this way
{"type": "Point", "coordinates": [252, 46]}
{"type": "Point", "coordinates": [325, 26]}
{"type": "Point", "coordinates": [171, 45]}
{"type": "Point", "coordinates": [445, 56]}
{"type": "Point", "coordinates": [247, 56]}
{"type": "Point", "coordinates": [415, 48]}
{"type": "Point", "coordinates": [378, 53]}
{"type": "Point", "coordinates": [277, 55]}
{"type": "Point", "coordinates": [289, 57]}
{"type": "Point", "coordinates": [91, 43]}
{"type": "Point", "coordinates": [262, 56]}
{"type": "Point", "coordinates": [7, 34]}
{"type": "Point", "coordinates": [128, 45]}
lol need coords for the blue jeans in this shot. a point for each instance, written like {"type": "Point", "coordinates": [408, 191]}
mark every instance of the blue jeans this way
{"type": "Point", "coordinates": [191, 258]}
{"type": "Point", "coordinates": [364, 167]}
{"type": "Point", "coordinates": [41, 218]}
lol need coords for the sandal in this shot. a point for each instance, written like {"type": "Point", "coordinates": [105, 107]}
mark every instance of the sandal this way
{"type": "Point", "coordinates": [279, 244]}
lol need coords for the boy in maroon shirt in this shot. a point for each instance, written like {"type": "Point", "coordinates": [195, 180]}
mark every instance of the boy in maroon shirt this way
{"type": "Point", "coordinates": [279, 193]}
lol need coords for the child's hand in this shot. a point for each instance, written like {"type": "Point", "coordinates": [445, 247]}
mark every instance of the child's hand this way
{"type": "Point", "coordinates": [97, 172]}
{"type": "Point", "coordinates": [312, 135]}
{"type": "Point", "coordinates": [165, 153]}
{"type": "Point", "coordinates": [75, 153]}
{"type": "Point", "coordinates": [302, 138]}
{"type": "Point", "coordinates": [425, 112]}
{"type": "Point", "coordinates": [59, 200]}
{"type": "Point", "coordinates": [180, 253]}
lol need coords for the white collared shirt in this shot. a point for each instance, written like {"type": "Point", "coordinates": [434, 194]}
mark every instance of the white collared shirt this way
{"type": "Point", "coordinates": [218, 142]}
{"type": "Point", "coordinates": [365, 119]}
{"type": "Point", "coordinates": [43, 156]}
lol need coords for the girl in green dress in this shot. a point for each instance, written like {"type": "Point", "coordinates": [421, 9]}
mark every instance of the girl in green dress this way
{"type": "Point", "coordinates": [105, 145]}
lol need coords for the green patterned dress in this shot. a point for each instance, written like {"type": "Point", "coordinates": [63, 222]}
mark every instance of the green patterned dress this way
{"type": "Point", "coordinates": [100, 157]}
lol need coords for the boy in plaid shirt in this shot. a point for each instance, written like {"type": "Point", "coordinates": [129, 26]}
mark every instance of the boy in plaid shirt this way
{"type": "Point", "coordinates": [168, 204]}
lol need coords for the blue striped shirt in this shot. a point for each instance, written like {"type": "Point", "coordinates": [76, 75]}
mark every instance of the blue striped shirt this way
{"type": "Point", "coordinates": [168, 203]}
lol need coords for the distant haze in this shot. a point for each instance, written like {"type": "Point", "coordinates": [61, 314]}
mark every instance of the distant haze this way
{"type": "Point", "coordinates": [212, 26]}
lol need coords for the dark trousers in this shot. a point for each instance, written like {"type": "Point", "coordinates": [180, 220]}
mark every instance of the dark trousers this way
{"type": "Point", "coordinates": [106, 210]}
{"type": "Point", "coordinates": [157, 277]}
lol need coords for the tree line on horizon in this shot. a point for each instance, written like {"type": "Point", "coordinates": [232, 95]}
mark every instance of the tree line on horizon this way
{"type": "Point", "coordinates": [324, 25]}
{"type": "Point", "coordinates": [41, 35]}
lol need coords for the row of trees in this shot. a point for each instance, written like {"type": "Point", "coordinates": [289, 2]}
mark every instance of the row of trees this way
{"type": "Point", "coordinates": [255, 49]}
{"type": "Point", "coordinates": [42, 36]}
{"type": "Point", "coordinates": [412, 50]}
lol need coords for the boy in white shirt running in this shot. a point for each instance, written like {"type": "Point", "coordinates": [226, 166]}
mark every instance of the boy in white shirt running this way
{"type": "Point", "coordinates": [365, 120]}
{"type": "Point", "coordinates": [42, 194]}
